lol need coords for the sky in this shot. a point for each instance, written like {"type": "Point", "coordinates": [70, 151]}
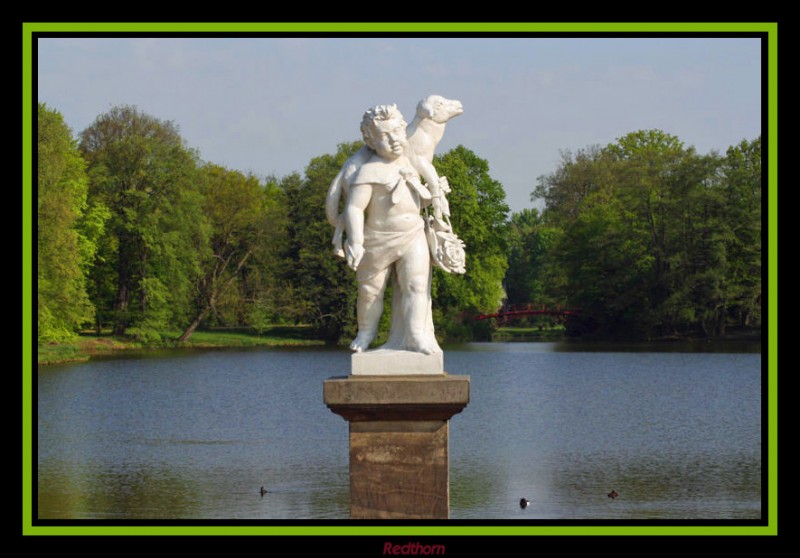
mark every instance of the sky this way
{"type": "Point", "coordinates": [269, 105]}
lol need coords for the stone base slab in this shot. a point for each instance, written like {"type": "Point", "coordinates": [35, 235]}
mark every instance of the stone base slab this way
{"type": "Point", "coordinates": [387, 362]}
{"type": "Point", "coordinates": [362, 398]}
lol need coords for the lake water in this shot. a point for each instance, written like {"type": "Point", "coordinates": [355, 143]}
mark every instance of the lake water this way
{"type": "Point", "coordinates": [194, 435]}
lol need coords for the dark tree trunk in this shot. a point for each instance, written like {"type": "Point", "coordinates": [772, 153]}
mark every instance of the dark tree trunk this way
{"type": "Point", "coordinates": [196, 322]}
{"type": "Point", "coordinates": [121, 309]}
{"type": "Point", "coordinates": [213, 296]}
{"type": "Point", "coordinates": [124, 279]}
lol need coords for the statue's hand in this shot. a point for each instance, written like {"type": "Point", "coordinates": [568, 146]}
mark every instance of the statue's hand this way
{"type": "Point", "coordinates": [444, 184]}
{"type": "Point", "coordinates": [353, 254]}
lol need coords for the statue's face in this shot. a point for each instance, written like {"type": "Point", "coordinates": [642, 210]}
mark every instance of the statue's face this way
{"type": "Point", "coordinates": [388, 137]}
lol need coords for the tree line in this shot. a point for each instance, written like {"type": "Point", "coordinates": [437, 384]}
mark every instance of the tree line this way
{"type": "Point", "coordinates": [138, 236]}
{"type": "Point", "coordinates": [646, 237]}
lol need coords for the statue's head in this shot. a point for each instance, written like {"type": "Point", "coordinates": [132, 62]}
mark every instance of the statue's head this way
{"type": "Point", "coordinates": [384, 131]}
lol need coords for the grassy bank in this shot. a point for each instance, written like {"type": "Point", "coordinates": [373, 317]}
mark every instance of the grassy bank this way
{"type": "Point", "coordinates": [86, 345]}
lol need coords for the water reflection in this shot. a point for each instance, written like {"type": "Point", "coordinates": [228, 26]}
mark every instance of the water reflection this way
{"type": "Point", "coordinates": [94, 491]}
{"type": "Point", "coordinates": [580, 346]}
{"type": "Point", "coordinates": [154, 493]}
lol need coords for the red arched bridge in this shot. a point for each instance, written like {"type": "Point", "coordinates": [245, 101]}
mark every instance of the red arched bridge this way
{"type": "Point", "coordinates": [507, 313]}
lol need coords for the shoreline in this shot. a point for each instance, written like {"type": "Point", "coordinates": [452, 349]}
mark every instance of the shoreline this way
{"type": "Point", "coordinates": [88, 345]}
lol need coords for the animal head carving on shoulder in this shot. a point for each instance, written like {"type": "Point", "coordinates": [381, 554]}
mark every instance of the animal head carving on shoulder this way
{"type": "Point", "coordinates": [438, 108]}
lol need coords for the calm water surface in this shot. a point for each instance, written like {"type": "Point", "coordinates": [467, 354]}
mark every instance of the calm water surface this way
{"type": "Point", "coordinates": [196, 434]}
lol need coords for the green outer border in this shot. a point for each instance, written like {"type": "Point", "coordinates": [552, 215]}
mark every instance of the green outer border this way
{"type": "Point", "coordinates": [27, 280]}
{"type": "Point", "coordinates": [772, 251]}
{"type": "Point", "coordinates": [397, 27]}
{"type": "Point", "coordinates": [770, 28]}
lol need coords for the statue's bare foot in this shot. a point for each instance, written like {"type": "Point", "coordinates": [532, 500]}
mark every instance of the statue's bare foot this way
{"type": "Point", "coordinates": [424, 347]}
{"type": "Point", "coordinates": [361, 342]}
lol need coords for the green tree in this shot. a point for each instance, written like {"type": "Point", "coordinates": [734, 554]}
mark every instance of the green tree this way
{"type": "Point", "coordinates": [480, 218]}
{"type": "Point", "coordinates": [244, 220]}
{"type": "Point", "coordinates": [67, 230]}
{"type": "Point", "coordinates": [323, 289]}
{"type": "Point", "coordinates": [529, 243]}
{"type": "Point", "coordinates": [605, 258]}
{"type": "Point", "coordinates": [741, 186]}
{"type": "Point", "coordinates": [654, 235]}
{"type": "Point", "coordinates": [578, 175]}
{"type": "Point", "coordinates": [140, 167]}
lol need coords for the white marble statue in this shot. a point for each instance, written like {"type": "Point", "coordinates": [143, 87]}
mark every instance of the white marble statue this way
{"type": "Point", "coordinates": [394, 225]}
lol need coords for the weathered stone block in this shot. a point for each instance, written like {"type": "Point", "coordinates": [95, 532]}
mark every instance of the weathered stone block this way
{"type": "Point", "coordinates": [399, 470]}
{"type": "Point", "coordinates": [399, 429]}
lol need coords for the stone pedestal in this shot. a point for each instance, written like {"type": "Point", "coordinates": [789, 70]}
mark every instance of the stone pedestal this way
{"type": "Point", "coordinates": [398, 441]}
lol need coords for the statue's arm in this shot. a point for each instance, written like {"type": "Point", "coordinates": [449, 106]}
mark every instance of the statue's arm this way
{"type": "Point", "coordinates": [357, 201]}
